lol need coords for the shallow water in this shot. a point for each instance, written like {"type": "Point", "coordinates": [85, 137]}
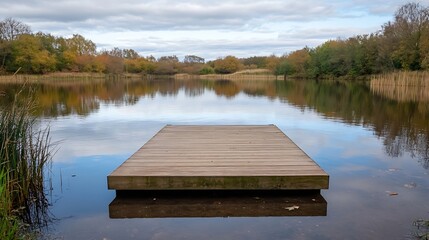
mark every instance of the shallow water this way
{"type": "Point", "coordinates": [375, 149]}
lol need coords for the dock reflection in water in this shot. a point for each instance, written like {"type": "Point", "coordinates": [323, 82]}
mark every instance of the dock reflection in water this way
{"type": "Point", "coordinates": [177, 204]}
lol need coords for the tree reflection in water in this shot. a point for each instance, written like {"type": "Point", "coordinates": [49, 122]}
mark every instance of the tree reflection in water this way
{"type": "Point", "coordinates": [402, 124]}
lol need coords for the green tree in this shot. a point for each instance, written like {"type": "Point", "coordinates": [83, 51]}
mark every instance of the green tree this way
{"type": "Point", "coordinates": [330, 60]}
{"type": "Point", "coordinates": [65, 57]}
{"type": "Point", "coordinates": [424, 48]}
{"type": "Point", "coordinates": [284, 68]}
{"type": "Point", "coordinates": [206, 70]}
{"type": "Point", "coordinates": [56, 46]}
{"type": "Point", "coordinates": [28, 53]}
{"type": "Point", "coordinates": [259, 62]}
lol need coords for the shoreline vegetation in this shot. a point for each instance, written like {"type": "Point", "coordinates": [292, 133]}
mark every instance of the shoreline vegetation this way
{"type": "Point", "coordinates": [402, 86]}
{"type": "Point", "coordinates": [400, 45]}
{"type": "Point", "coordinates": [255, 74]}
{"type": "Point", "coordinates": [25, 158]}
{"type": "Point", "coordinates": [250, 74]}
{"type": "Point", "coordinates": [64, 76]}
{"type": "Point", "coordinates": [418, 79]}
{"type": "Point", "coordinates": [399, 78]}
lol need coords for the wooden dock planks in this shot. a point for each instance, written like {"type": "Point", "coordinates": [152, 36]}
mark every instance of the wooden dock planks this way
{"type": "Point", "coordinates": [219, 157]}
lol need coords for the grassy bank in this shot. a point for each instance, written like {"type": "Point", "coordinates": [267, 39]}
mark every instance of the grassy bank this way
{"type": "Point", "coordinates": [24, 158]}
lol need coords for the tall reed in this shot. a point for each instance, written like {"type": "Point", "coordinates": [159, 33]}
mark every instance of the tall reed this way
{"type": "Point", "coordinates": [420, 79]}
{"type": "Point", "coordinates": [25, 156]}
{"type": "Point", "coordinates": [8, 223]}
{"type": "Point", "coordinates": [402, 86]}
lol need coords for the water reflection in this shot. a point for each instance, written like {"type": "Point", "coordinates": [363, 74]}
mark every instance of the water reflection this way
{"type": "Point", "coordinates": [342, 126]}
{"type": "Point", "coordinates": [403, 93]}
{"type": "Point", "coordinates": [172, 204]}
{"type": "Point", "coordinates": [402, 124]}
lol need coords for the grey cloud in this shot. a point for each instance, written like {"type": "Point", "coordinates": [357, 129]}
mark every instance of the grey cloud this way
{"type": "Point", "coordinates": [324, 33]}
{"type": "Point", "coordinates": [165, 14]}
{"type": "Point", "coordinates": [212, 49]}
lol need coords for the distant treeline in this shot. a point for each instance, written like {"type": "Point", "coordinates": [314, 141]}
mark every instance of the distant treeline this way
{"type": "Point", "coordinates": [402, 44]}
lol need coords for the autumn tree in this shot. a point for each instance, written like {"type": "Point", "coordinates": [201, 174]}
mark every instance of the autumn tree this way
{"type": "Point", "coordinates": [133, 65]}
{"type": "Point", "coordinates": [167, 65]}
{"type": "Point", "coordinates": [191, 64]}
{"type": "Point", "coordinates": [130, 54]}
{"type": "Point", "coordinates": [78, 51]}
{"type": "Point", "coordinates": [88, 63]}
{"type": "Point", "coordinates": [81, 46]}
{"type": "Point", "coordinates": [299, 60]}
{"type": "Point", "coordinates": [112, 61]}
{"type": "Point", "coordinates": [271, 62]}
{"type": "Point", "coordinates": [10, 30]}
{"type": "Point", "coordinates": [229, 64]}
{"type": "Point", "coordinates": [405, 36]}
{"type": "Point", "coordinates": [257, 61]}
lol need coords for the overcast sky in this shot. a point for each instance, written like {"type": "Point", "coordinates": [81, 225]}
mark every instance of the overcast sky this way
{"type": "Point", "coordinates": [209, 29]}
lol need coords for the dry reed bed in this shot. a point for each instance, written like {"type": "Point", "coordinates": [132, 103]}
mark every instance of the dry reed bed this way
{"type": "Point", "coordinates": [9, 78]}
{"type": "Point", "coordinates": [64, 76]}
{"type": "Point", "coordinates": [232, 77]}
{"type": "Point", "coordinates": [402, 86]}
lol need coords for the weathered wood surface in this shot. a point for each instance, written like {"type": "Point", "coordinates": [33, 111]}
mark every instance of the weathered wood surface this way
{"type": "Point", "coordinates": [219, 157]}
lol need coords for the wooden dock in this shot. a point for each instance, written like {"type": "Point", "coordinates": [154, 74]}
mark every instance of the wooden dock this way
{"type": "Point", "coordinates": [219, 158]}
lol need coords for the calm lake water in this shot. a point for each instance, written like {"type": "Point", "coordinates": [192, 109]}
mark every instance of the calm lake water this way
{"type": "Point", "coordinates": [375, 149]}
